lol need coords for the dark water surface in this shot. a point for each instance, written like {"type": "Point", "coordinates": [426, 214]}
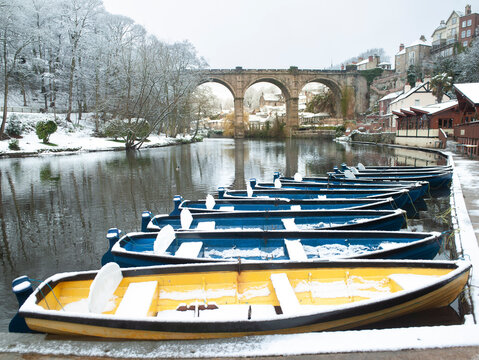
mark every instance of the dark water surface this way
{"type": "Point", "coordinates": [55, 210]}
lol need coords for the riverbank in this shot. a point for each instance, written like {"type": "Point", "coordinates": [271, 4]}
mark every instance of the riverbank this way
{"type": "Point", "coordinates": [73, 137]}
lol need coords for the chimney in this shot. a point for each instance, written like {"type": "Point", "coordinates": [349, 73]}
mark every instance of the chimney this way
{"type": "Point", "coordinates": [468, 9]}
{"type": "Point", "coordinates": [422, 38]}
{"type": "Point", "coordinates": [407, 87]}
{"type": "Point", "coordinates": [360, 59]}
{"type": "Point", "coordinates": [370, 58]}
{"type": "Point", "coordinates": [401, 47]}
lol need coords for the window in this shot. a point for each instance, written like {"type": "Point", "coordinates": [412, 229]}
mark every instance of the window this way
{"type": "Point", "coordinates": [468, 34]}
{"type": "Point", "coordinates": [469, 22]}
{"type": "Point", "coordinates": [463, 34]}
{"type": "Point", "coordinates": [454, 20]}
{"type": "Point", "coordinates": [464, 23]}
{"type": "Point", "coordinates": [453, 32]}
{"type": "Point", "coordinates": [417, 102]}
{"type": "Point", "coordinates": [464, 43]}
{"type": "Point", "coordinates": [411, 58]}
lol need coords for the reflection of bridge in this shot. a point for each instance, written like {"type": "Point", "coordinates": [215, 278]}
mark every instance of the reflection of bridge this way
{"type": "Point", "coordinates": [344, 84]}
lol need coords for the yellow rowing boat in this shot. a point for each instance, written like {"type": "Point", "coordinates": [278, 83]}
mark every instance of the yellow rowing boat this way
{"type": "Point", "coordinates": [225, 300]}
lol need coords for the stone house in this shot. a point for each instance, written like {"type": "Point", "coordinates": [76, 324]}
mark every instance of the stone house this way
{"type": "Point", "coordinates": [371, 62]}
{"type": "Point", "coordinates": [415, 54]}
{"type": "Point", "coordinates": [445, 36]}
{"type": "Point", "coordinates": [271, 100]}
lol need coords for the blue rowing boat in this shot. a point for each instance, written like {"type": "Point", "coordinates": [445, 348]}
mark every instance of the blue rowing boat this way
{"type": "Point", "coordinates": [280, 220]}
{"type": "Point", "coordinates": [401, 196]}
{"type": "Point", "coordinates": [258, 204]}
{"type": "Point", "coordinates": [437, 180]}
{"type": "Point", "coordinates": [170, 247]}
{"type": "Point", "coordinates": [416, 189]}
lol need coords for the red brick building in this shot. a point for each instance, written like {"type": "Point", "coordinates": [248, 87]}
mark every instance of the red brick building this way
{"type": "Point", "coordinates": [468, 27]}
{"type": "Point", "coordinates": [430, 125]}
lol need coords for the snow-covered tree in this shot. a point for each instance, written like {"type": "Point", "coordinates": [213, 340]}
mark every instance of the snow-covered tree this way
{"type": "Point", "coordinates": [15, 37]}
{"type": "Point", "coordinates": [467, 65]}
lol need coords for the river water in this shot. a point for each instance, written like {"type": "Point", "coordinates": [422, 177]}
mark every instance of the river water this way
{"type": "Point", "coordinates": [55, 210]}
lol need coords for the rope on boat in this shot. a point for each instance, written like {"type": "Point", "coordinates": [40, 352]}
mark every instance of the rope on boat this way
{"type": "Point", "coordinates": [412, 202]}
{"type": "Point", "coordinates": [44, 297]}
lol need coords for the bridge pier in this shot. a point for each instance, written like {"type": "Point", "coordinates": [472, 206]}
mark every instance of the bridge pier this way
{"type": "Point", "coordinates": [239, 121]}
{"type": "Point", "coordinates": [292, 116]}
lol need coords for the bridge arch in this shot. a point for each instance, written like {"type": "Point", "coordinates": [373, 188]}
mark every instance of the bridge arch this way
{"type": "Point", "coordinates": [332, 85]}
{"type": "Point", "coordinates": [218, 80]}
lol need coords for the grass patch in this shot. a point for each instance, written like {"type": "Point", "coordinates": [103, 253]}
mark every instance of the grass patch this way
{"type": "Point", "coordinates": [50, 144]}
{"type": "Point", "coordinates": [118, 141]}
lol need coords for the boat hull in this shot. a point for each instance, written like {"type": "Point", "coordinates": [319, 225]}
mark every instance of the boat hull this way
{"type": "Point", "coordinates": [137, 249]}
{"type": "Point", "coordinates": [274, 220]}
{"type": "Point", "coordinates": [348, 316]}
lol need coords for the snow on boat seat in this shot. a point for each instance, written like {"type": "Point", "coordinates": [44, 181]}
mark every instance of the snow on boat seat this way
{"type": "Point", "coordinates": [186, 219]}
{"type": "Point", "coordinates": [348, 174]}
{"type": "Point", "coordinates": [412, 281]}
{"type": "Point", "coordinates": [277, 184]}
{"type": "Point", "coordinates": [284, 292]}
{"type": "Point", "coordinates": [206, 225]}
{"type": "Point", "coordinates": [354, 170]}
{"type": "Point", "coordinates": [101, 292]}
{"type": "Point", "coordinates": [163, 240]}
{"type": "Point", "coordinates": [190, 249]}
{"type": "Point", "coordinates": [227, 208]}
{"type": "Point", "coordinates": [137, 299]}
{"type": "Point", "coordinates": [295, 250]}
{"type": "Point", "coordinates": [296, 207]}
{"type": "Point", "coordinates": [210, 202]}
{"type": "Point", "coordinates": [298, 177]}
{"type": "Point", "coordinates": [361, 167]}
{"type": "Point", "coordinates": [289, 224]}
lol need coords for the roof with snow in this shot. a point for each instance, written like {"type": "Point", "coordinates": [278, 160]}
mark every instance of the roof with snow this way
{"type": "Point", "coordinates": [419, 42]}
{"type": "Point", "coordinates": [410, 92]}
{"type": "Point", "coordinates": [392, 95]}
{"type": "Point", "coordinates": [469, 91]}
{"type": "Point", "coordinates": [363, 62]}
{"type": "Point", "coordinates": [403, 51]}
{"type": "Point", "coordinates": [435, 108]}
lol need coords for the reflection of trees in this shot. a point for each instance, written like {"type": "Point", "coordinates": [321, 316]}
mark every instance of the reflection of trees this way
{"type": "Point", "coordinates": [291, 155]}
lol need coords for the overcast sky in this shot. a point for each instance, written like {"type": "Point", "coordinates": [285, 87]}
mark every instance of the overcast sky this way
{"type": "Point", "coordinates": [310, 34]}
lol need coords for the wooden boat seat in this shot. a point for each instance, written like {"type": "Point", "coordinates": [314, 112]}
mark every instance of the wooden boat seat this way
{"type": "Point", "coordinates": [289, 224]}
{"type": "Point", "coordinates": [206, 225]}
{"type": "Point", "coordinates": [296, 207]}
{"type": "Point", "coordinates": [285, 293]}
{"type": "Point", "coordinates": [186, 219]}
{"type": "Point", "coordinates": [295, 250]}
{"type": "Point", "coordinates": [101, 292]}
{"type": "Point", "coordinates": [137, 299]}
{"type": "Point", "coordinates": [411, 281]}
{"type": "Point", "coordinates": [227, 208]}
{"type": "Point", "coordinates": [190, 249]}
{"type": "Point", "coordinates": [164, 239]}
{"type": "Point", "coordinates": [210, 202]}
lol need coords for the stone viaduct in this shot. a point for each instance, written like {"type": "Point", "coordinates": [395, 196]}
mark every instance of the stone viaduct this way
{"type": "Point", "coordinates": [291, 81]}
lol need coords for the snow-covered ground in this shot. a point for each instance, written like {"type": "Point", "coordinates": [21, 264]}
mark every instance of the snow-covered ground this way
{"type": "Point", "coordinates": [69, 137]}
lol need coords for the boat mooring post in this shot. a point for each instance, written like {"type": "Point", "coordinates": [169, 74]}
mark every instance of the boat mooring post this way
{"type": "Point", "coordinates": [276, 175]}
{"type": "Point", "coordinates": [146, 217]}
{"type": "Point", "coordinates": [177, 200]}
{"type": "Point", "coordinates": [22, 288]}
{"type": "Point", "coordinates": [221, 192]}
{"type": "Point", "coordinates": [113, 235]}
{"type": "Point", "coordinates": [252, 183]}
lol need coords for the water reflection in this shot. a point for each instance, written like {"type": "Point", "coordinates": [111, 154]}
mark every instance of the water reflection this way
{"type": "Point", "coordinates": [55, 210]}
